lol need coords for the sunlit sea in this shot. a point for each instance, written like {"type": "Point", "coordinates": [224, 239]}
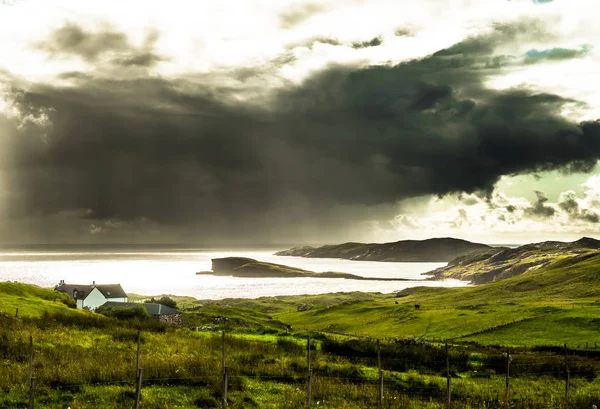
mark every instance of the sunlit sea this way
{"type": "Point", "coordinates": [154, 271]}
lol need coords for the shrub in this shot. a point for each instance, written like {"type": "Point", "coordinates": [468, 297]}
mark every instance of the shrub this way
{"type": "Point", "coordinates": [290, 346]}
{"type": "Point", "coordinates": [166, 301]}
{"type": "Point", "coordinates": [124, 313]}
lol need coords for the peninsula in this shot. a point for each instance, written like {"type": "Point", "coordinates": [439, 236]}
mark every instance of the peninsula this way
{"type": "Point", "coordinates": [248, 267]}
{"type": "Point", "coordinates": [498, 263]}
{"type": "Point", "coordinates": [431, 250]}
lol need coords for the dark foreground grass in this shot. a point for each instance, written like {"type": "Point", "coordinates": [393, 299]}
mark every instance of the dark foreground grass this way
{"type": "Point", "coordinates": [86, 363]}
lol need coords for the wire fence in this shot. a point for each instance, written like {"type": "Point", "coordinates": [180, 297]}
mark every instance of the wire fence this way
{"type": "Point", "coordinates": [381, 373]}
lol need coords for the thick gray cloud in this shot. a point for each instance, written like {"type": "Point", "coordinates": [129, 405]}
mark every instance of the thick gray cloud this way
{"type": "Point", "coordinates": [374, 42]}
{"type": "Point", "coordinates": [540, 208]}
{"type": "Point", "coordinates": [319, 157]}
{"type": "Point", "coordinates": [72, 40]}
{"type": "Point", "coordinates": [571, 206]}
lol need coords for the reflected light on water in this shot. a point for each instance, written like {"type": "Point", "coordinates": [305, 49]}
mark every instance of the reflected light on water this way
{"type": "Point", "coordinates": [173, 272]}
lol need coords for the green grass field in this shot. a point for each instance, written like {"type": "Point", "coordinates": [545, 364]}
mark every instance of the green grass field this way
{"type": "Point", "coordinates": [85, 360]}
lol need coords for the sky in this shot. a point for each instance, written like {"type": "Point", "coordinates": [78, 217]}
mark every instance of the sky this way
{"type": "Point", "coordinates": [284, 121]}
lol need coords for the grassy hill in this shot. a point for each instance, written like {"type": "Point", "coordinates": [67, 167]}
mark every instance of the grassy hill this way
{"type": "Point", "coordinates": [33, 301]}
{"type": "Point", "coordinates": [495, 264]}
{"type": "Point", "coordinates": [266, 357]}
{"type": "Point", "coordinates": [431, 250]}
{"type": "Point", "coordinates": [550, 305]}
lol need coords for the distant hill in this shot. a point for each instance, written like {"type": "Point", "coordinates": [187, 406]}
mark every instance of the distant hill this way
{"type": "Point", "coordinates": [551, 305]}
{"type": "Point", "coordinates": [500, 263]}
{"type": "Point", "coordinates": [248, 267]}
{"type": "Point", "coordinates": [431, 250]}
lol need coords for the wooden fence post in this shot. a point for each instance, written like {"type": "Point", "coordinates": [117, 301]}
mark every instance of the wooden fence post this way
{"type": "Point", "coordinates": [507, 397]}
{"type": "Point", "coordinates": [380, 402]}
{"type": "Point", "coordinates": [448, 386]}
{"type": "Point", "coordinates": [309, 391]}
{"type": "Point", "coordinates": [568, 375]}
{"type": "Point", "coordinates": [138, 388]}
{"type": "Point", "coordinates": [31, 392]}
{"type": "Point", "coordinates": [225, 386]}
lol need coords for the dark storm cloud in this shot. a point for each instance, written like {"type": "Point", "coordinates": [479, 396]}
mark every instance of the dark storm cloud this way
{"type": "Point", "coordinates": [570, 205]}
{"type": "Point", "coordinates": [321, 154]}
{"type": "Point", "coordinates": [540, 208]}
{"type": "Point", "coordinates": [298, 14]}
{"type": "Point", "coordinates": [374, 42]}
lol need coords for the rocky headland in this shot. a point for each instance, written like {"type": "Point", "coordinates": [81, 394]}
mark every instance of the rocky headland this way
{"type": "Point", "coordinates": [498, 263]}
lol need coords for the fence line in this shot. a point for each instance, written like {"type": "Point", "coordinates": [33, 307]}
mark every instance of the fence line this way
{"type": "Point", "coordinates": [380, 382]}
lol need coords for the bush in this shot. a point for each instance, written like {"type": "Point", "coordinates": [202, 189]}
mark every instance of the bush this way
{"type": "Point", "coordinates": [290, 346]}
{"type": "Point", "coordinates": [166, 301]}
{"type": "Point", "coordinates": [124, 313]}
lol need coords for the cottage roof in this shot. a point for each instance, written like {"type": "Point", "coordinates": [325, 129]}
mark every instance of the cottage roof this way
{"type": "Point", "coordinates": [151, 308]}
{"type": "Point", "coordinates": [77, 291]}
{"type": "Point", "coordinates": [111, 290]}
{"type": "Point", "coordinates": [81, 291]}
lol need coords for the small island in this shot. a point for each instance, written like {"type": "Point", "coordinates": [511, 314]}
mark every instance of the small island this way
{"type": "Point", "coordinates": [248, 267]}
{"type": "Point", "coordinates": [431, 250]}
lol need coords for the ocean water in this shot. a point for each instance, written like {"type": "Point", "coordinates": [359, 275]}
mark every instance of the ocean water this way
{"type": "Point", "coordinates": [154, 271]}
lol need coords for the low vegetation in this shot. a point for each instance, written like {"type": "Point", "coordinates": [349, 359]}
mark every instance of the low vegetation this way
{"type": "Point", "coordinates": [87, 360]}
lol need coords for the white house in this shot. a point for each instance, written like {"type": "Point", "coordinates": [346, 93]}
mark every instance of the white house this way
{"type": "Point", "coordinates": [92, 296]}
